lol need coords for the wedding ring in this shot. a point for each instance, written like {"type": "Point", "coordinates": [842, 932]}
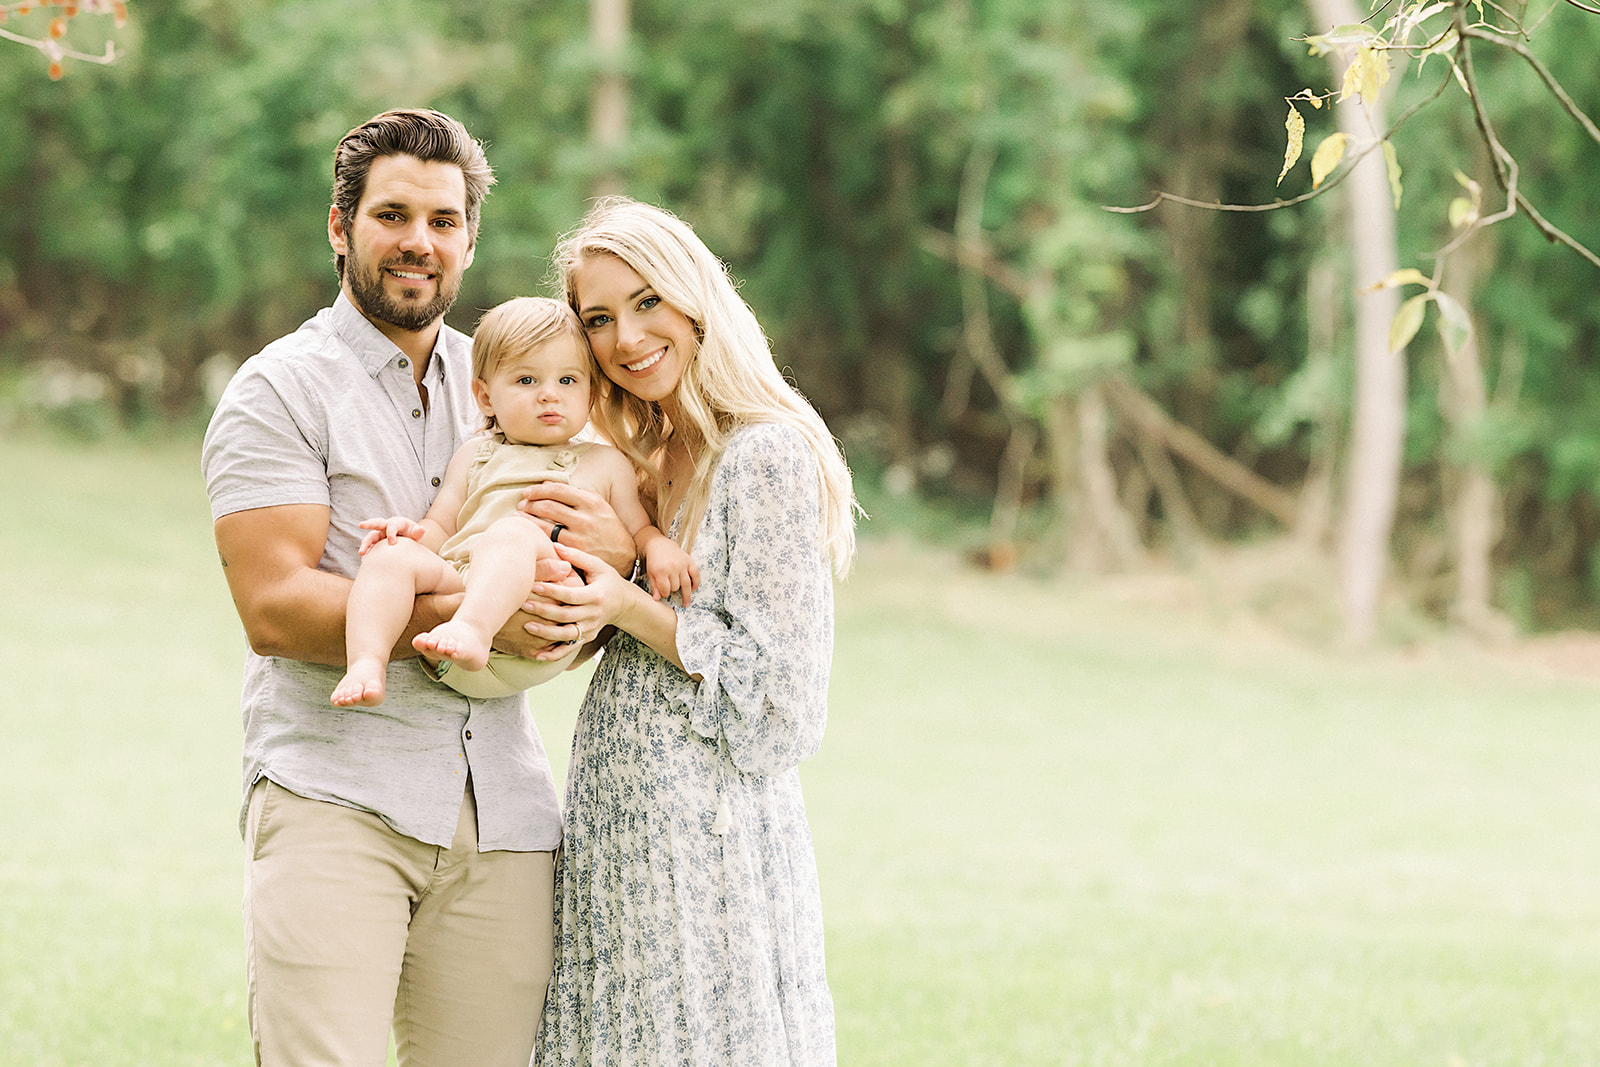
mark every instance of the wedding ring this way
{"type": "Point", "coordinates": [555, 532]}
{"type": "Point", "coordinates": [579, 639]}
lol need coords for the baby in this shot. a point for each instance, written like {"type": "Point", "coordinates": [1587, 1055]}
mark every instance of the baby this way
{"type": "Point", "coordinates": [533, 375]}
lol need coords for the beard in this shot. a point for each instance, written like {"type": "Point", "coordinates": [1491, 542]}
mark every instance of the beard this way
{"type": "Point", "coordinates": [410, 312]}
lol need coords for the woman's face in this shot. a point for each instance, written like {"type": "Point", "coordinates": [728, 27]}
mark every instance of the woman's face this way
{"type": "Point", "coordinates": [640, 341]}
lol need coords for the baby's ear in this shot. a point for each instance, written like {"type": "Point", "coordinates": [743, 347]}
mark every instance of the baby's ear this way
{"type": "Point", "coordinates": [480, 393]}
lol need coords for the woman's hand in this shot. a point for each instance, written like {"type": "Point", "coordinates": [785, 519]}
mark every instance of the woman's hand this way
{"type": "Point", "coordinates": [518, 636]}
{"type": "Point", "coordinates": [579, 613]}
{"type": "Point", "coordinates": [585, 520]}
{"type": "Point", "coordinates": [565, 613]}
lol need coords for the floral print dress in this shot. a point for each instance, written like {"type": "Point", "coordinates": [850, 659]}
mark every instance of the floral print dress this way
{"type": "Point", "coordinates": [689, 922]}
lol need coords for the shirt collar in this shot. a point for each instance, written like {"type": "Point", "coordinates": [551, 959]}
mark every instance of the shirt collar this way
{"type": "Point", "coordinates": [371, 347]}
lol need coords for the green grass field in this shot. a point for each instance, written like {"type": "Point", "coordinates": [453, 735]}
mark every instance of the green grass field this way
{"type": "Point", "coordinates": [1057, 824]}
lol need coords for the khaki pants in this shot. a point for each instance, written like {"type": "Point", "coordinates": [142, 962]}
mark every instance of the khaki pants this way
{"type": "Point", "coordinates": [349, 925]}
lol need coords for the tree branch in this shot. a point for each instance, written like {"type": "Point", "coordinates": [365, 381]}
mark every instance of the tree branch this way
{"type": "Point", "coordinates": [1505, 164]}
{"type": "Point", "coordinates": [1549, 80]}
{"type": "Point", "coordinates": [1345, 167]}
{"type": "Point", "coordinates": [1144, 412]}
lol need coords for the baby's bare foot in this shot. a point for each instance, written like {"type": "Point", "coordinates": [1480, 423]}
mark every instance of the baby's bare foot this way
{"type": "Point", "coordinates": [456, 642]}
{"type": "Point", "coordinates": [361, 686]}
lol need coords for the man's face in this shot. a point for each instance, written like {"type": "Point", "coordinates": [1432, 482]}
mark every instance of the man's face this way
{"type": "Point", "coordinates": [408, 243]}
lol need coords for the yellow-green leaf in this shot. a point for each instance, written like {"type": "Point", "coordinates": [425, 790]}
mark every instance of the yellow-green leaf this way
{"type": "Point", "coordinates": [1455, 325]}
{"type": "Point", "coordinates": [1352, 77]}
{"type": "Point", "coordinates": [1296, 126]}
{"type": "Point", "coordinates": [1404, 276]}
{"type": "Point", "coordinates": [1392, 160]}
{"type": "Point", "coordinates": [1464, 209]}
{"type": "Point", "coordinates": [1327, 157]}
{"type": "Point", "coordinates": [1407, 321]}
{"type": "Point", "coordinates": [1374, 73]}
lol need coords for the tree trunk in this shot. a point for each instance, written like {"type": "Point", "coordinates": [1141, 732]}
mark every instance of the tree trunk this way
{"type": "Point", "coordinates": [1101, 536]}
{"type": "Point", "coordinates": [1474, 509]}
{"type": "Point", "coordinates": [1372, 477]}
{"type": "Point", "coordinates": [1323, 325]}
{"type": "Point", "coordinates": [1002, 551]}
{"type": "Point", "coordinates": [608, 111]}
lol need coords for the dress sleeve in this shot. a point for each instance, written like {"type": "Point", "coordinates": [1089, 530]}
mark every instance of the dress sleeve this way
{"type": "Point", "coordinates": [764, 648]}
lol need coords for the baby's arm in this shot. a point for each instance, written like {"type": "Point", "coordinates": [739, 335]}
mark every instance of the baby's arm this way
{"type": "Point", "coordinates": [669, 567]}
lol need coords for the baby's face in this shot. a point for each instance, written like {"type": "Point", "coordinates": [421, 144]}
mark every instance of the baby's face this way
{"type": "Point", "coordinates": [540, 396]}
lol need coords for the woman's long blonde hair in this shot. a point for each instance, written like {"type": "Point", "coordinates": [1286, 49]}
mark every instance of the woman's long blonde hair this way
{"type": "Point", "coordinates": [730, 382]}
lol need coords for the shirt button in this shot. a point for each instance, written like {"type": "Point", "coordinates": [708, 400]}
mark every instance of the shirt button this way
{"type": "Point", "coordinates": [469, 735]}
{"type": "Point", "coordinates": [416, 413]}
{"type": "Point", "coordinates": [404, 363]}
{"type": "Point", "coordinates": [436, 483]}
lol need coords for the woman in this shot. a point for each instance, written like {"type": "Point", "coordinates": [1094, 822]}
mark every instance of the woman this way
{"type": "Point", "coordinates": [690, 924]}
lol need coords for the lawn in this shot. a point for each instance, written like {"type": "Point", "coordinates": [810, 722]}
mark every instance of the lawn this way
{"type": "Point", "coordinates": [1057, 822]}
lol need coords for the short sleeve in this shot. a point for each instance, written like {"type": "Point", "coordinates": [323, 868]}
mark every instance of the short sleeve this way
{"type": "Point", "coordinates": [258, 452]}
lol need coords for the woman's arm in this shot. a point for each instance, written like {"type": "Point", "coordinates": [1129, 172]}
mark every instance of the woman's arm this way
{"type": "Point", "coordinates": [606, 599]}
{"type": "Point", "coordinates": [763, 648]}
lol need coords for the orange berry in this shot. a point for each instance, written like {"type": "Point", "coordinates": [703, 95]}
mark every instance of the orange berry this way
{"type": "Point", "coordinates": [121, 11]}
{"type": "Point", "coordinates": [58, 27]}
{"type": "Point", "coordinates": [55, 70]}
{"type": "Point", "coordinates": [70, 8]}
{"type": "Point", "coordinates": [24, 8]}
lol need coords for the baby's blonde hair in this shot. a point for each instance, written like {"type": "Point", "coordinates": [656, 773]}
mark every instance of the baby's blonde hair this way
{"type": "Point", "coordinates": [731, 381]}
{"type": "Point", "coordinates": [520, 325]}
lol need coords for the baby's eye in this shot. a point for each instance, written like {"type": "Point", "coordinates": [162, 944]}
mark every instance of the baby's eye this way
{"type": "Point", "coordinates": [526, 379]}
{"type": "Point", "coordinates": [567, 379]}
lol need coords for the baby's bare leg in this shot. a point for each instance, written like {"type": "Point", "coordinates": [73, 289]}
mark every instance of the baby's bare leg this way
{"type": "Point", "coordinates": [503, 560]}
{"type": "Point", "coordinates": [386, 587]}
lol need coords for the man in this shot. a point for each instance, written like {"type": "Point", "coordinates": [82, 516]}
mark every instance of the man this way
{"type": "Point", "coordinates": [399, 858]}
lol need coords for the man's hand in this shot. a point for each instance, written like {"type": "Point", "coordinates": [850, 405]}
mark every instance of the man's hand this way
{"type": "Point", "coordinates": [587, 522]}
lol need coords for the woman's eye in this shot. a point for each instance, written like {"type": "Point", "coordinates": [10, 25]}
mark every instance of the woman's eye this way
{"type": "Point", "coordinates": [649, 302]}
{"type": "Point", "coordinates": [598, 321]}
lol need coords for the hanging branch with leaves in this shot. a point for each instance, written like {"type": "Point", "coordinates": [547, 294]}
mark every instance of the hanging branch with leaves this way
{"type": "Point", "coordinates": [52, 41]}
{"type": "Point", "coordinates": [1417, 30]}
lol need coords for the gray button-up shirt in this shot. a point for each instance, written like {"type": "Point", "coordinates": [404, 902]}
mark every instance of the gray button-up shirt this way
{"type": "Point", "coordinates": [331, 415]}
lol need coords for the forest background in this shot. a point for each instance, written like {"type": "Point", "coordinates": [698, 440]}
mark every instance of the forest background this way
{"type": "Point", "coordinates": [914, 194]}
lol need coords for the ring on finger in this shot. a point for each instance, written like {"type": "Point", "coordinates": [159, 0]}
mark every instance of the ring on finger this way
{"type": "Point", "coordinates": [579, 628]}
{"type": "Point", "coordinates": [555, 532]}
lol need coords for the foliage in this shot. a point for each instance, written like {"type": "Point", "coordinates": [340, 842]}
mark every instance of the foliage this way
{"type": "Point", "coordinates": [858, 163]}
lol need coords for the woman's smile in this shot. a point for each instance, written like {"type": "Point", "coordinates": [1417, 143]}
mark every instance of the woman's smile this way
{"type": "Point", "coordinates": [642, 342]}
